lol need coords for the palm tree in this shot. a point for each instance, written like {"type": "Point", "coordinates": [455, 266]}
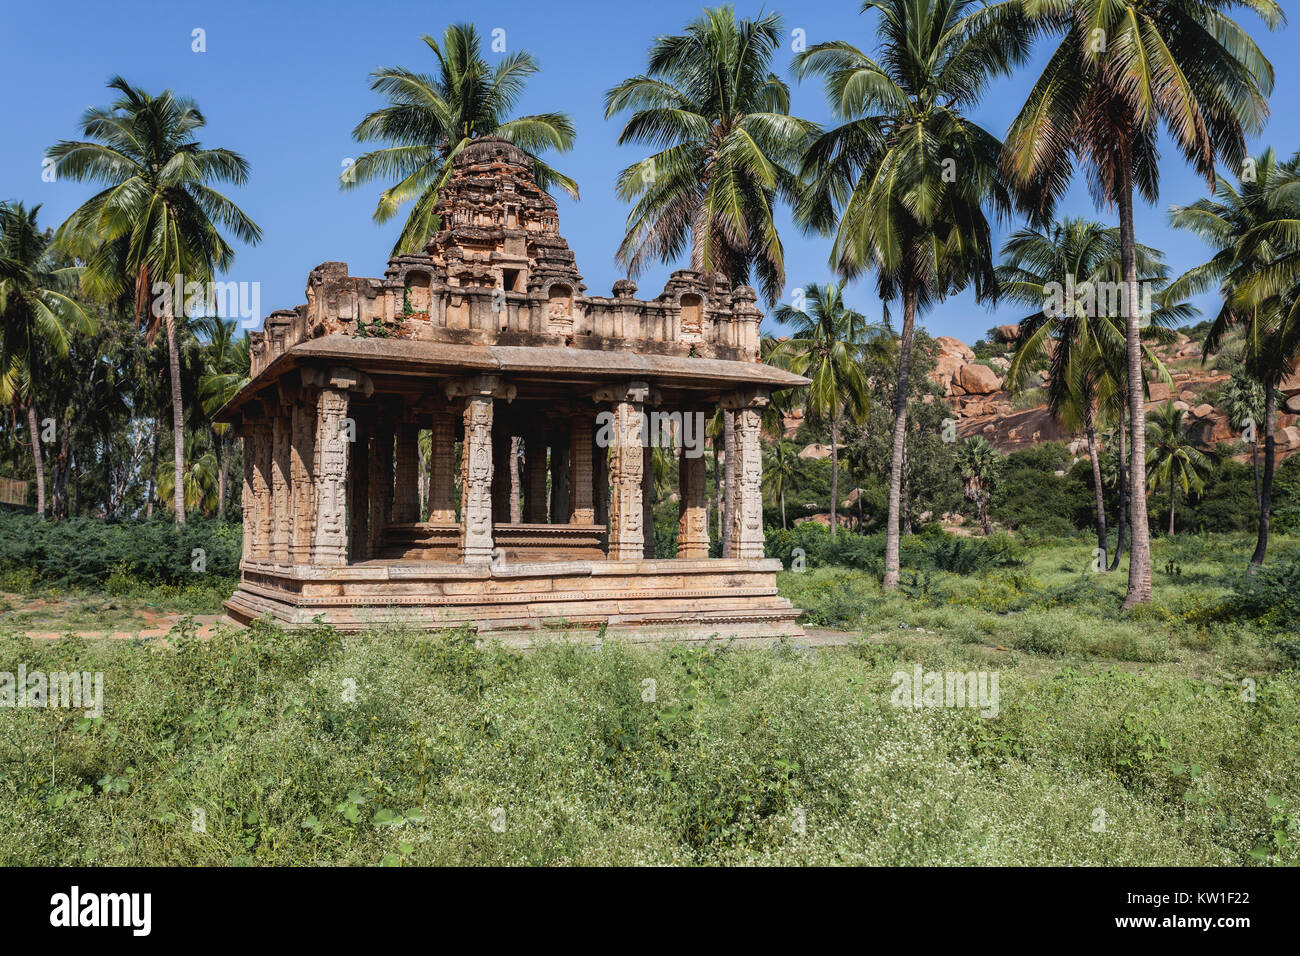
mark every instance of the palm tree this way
{"type": "Point", "coordinates": [1122, 69]}
{"type": "Point", "coordinates": [779, 472]}
{"type": "Point", "coordinates": [227, 367]}
{"type": "Point", "coordinates": [157, 220]}
{"type": "Point", "coordinates": [516, 501]}
{"type": "Point", "coordinates": [198, 476]}
{"type": "Point", "coordinates": [772, 351]}
{"type": "Point", "coordinates": [1114, 473]}
{"type": "Point", "coordinates": [1252, 228]}
{"type": "Point", "coordinates": [1175, 460]}
{"type": "Point", "coordinates": [729, 147]}
{"type": "Point", "coordinates": [903, 182]}
{"type": "Point", "coordinates": [979, 464]}
{"type": "Point", "coordinates": [1242, 401]}
{"type": "Point", "coordinates": [429, 119]}
{"type": "Point", "coordinates": [1084, 350]}
{"type": "Point", "coordinates": [827, 343]}
{"type": "Point", "coordinates": [39, 318]}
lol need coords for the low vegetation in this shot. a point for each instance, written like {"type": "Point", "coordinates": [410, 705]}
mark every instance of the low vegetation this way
{"type": "Point", "coordinates": [1166, 735]}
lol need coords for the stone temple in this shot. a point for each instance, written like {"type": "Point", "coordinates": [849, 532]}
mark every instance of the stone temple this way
{"type": "Point", "coordinates": [465, 440]}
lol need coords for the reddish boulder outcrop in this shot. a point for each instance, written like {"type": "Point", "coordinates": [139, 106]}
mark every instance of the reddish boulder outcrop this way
{"type": "Point", "coordinates": [978, 379]}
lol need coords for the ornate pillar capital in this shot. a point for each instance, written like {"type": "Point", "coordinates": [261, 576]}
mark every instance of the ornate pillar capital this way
{"type": "Point", "coordinates": [754, 397]}
{"type": "Point", "coordinates": [338, 377]}
{"type": "Point", "coordinates": [639, 393]}
{"type": "Point", "coordinates": [482, 386]}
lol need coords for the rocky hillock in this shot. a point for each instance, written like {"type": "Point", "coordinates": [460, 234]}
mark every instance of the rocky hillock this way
{"type": "Point", "coordinates": [975, 388]}
{"type": "Point", "coordinates": [982, 405]}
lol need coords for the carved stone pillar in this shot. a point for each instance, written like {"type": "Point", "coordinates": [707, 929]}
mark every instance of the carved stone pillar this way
{"type": "Point", "coordinates": [249, 498]}
{"type": "Point", "coordinates": [535, 474]}
{"type": "Point", "coordinates": [581, 509]}
{"type": "Point", "coordinates": [476, 512]}
{"type": "Point", "coordinates": [281, 505]}
{"type": "Point", "coordinates": [747, 529]}
{"type": "Point", "coordinates": [302, 455]}
{"type": "Point", "coordinates": [477, 462]}
{"type": "Point", "coordinates": [263, 516]}
{"type": "Point", "coordinates": [626, 467]}
{"type": "Point", "coordinates": [331, 471]}
{"type": "Point", "coordinates": [442, 477]}
{"type": "Point", "coordinates": [381, 484]}
{"type": "Point", "coordinates": [406, 484]}
{"type": "Point", "coordinates": [693, 520]}
{"type": "Point", "coordinates": [359, 493]}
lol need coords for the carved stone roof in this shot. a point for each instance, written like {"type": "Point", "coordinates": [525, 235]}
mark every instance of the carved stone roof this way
{"type": "Point", "coordinates": [497, 286]}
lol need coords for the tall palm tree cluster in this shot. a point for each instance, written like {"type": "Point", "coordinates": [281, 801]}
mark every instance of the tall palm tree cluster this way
{"type": "Point", "coordinates": [903, 183]}
{"type": "Point", "coordinates": [157, 217]}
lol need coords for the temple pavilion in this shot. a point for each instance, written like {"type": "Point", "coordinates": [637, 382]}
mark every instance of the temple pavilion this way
{"type": "Point", "coordinates": [465, 440]}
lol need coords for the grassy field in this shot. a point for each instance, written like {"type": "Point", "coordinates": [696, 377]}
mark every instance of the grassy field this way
{"type": "Point", "coordinates": [1167, 736]}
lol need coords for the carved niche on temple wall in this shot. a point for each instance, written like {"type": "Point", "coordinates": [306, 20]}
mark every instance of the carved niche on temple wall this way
{"type": "Point", "coordinates": [559, 309]}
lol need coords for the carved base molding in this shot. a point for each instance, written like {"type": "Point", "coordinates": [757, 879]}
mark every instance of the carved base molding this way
{"type": "Point", "coordinates": [522, 603]}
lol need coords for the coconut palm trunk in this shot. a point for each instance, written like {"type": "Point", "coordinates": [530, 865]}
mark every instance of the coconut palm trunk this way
{"type": "Point", "coordinates": [178, 420]}
{"type": "Point", "coordinates": [1091, 431]}
{"type": "Point", "coordinates": [34, 433]}
{"type": "Point", "coordinates": [1254, 463]}
{"type": "Point", "coordinates": [1172, 492]}
{"type": "Point", "coordinates": [1139, 562]}
{"type": "Point", "coordinates": [1123, 493]}
{"type": "Point", "coordinates": [900, 436]}
{"type": "Point", "coordinates": [835, 474]}
{"type": "Point", "coordinates": [151, 483]}
{"type": "Point", "coordinates": [717, 488]}
{"type": "Point", "coordinates": [223, 463]}
{"type": "Point", "coordinates": [1270, 456]}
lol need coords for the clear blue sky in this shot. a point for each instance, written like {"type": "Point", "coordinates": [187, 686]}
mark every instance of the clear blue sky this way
{"type": "Point", "coordinates": [284, 84]}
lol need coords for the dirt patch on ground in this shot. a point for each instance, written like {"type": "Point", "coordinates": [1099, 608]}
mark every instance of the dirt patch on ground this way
{"type": "Point", "coordinates": [44, 618]}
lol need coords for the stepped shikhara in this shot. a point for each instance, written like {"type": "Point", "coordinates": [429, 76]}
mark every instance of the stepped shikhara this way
{"type": "Point", "coordinates": [487, 337]}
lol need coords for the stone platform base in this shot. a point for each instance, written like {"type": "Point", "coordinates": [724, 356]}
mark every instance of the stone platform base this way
{"type": "Point", "coordinates": [523, 603]}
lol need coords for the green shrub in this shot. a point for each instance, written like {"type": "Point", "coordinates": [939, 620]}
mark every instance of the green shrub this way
{"type": "Point", "coordinates": [831, 597]}
{"type": "Point", "coordinates": [90, 552]}
{"type": "Point", "coordinates": [1270, 596]}
{"type": "Point", "coordinates": [932, 550]}
{"type": "Point", "coordinates": [1058, 632]}
{"type": "Point", "coordinates": [970, 555]}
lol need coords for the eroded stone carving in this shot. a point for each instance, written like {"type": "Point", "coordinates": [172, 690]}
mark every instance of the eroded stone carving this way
{"type": "Point", "coordinates": [281, 507]}
{"type": "Point", "coordinates": [626, 537]}
{"type": "Point", "coordinates": [747, 531]}
{"type": "Point", "coordinates": [477, 496]}
{"type": "Point", "coordinates": [331, 544]}
{"type": "Point", "coordinates": [442, 477]}
{"type": "Point", "coordinates": [302, 465]}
